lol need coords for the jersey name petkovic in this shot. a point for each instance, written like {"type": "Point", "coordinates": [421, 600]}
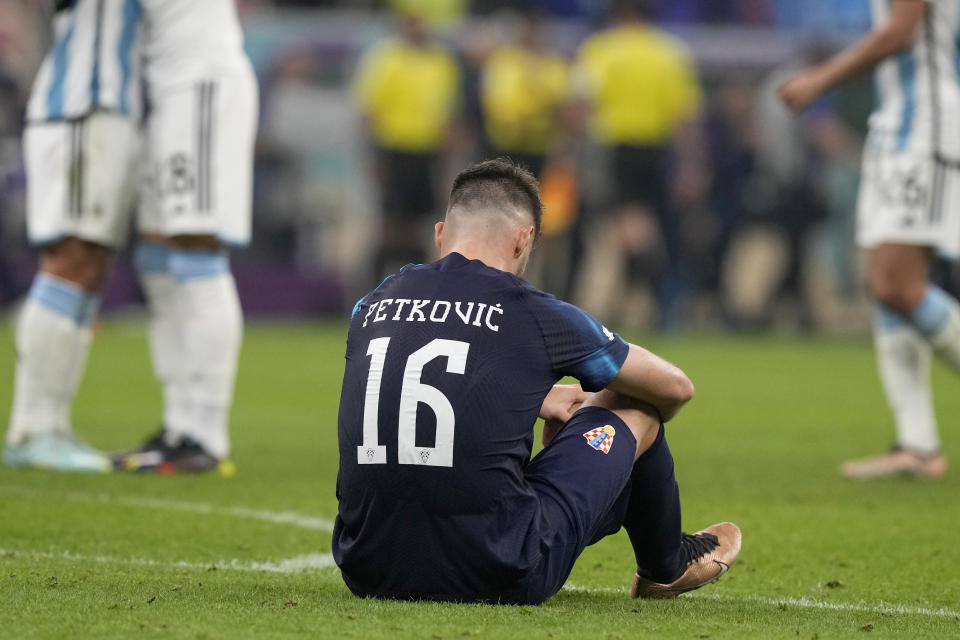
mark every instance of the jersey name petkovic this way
{"type": "Point", "coordinates": [918, 90]}
{"type": "Point", "coordinates": [476, 314]}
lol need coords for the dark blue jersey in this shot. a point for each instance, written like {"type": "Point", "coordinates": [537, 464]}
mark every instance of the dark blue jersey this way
{"type": "Point", "coordinates": [447, 365]}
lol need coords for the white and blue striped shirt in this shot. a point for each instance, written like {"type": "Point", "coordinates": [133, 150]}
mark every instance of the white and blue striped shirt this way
{"type": "Point", "coordinates": [105, 50]}
{"type": "Point", "coordinates": [918, 90]}
{"type": "Point", "coordinates": [93, 64]}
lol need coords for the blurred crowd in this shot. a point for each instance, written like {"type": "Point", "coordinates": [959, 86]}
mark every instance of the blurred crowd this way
{"type": "Point", "coordinates": [678, 192]}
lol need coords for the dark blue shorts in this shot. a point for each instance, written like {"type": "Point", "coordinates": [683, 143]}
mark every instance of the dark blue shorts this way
{"type": "Point", "coordinates": [582, 479]}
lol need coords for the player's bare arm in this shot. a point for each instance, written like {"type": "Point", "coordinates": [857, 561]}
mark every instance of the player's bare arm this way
{"type": "Point", "coordinates": [561, 403]}
{"type": "Point", "coordinates": [651, 379]}
{"type": "Point", "coordinates": [896, 35]}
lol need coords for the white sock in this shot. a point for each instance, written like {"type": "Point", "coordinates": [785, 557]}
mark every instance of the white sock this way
{"type": "Point", "coordinates": [903, 359]}
{"type": "Point", "coordinates": [167, 350]}
{"type": "Point", "coordinates": [53, 341]}
{"type": "Point", "coordinates": [211, 323]}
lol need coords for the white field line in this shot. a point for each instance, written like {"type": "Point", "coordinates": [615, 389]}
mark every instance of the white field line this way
{"type": "Point", "coordinates": [800, 603]}
{"type": "Point", "coordinates": [325, 560]}
{"type": "Point", "coordinates": [288, 565]}
{"type": "Point", "coordinates": [277, 517]}
{"type": "Point", "coordinates": [306, 562]}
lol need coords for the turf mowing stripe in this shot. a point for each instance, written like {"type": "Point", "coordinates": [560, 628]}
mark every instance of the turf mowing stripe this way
{"type": "Point", "coordinates": [310, 561]}
{"type": "Point", "coordinates": [801, 603]}
{"type": "Point", "coordinates": [321, 560]}
{"type": "Point", "coordinates": [288, 565]}
{"type": "Point", "coordinates": [278, 517]}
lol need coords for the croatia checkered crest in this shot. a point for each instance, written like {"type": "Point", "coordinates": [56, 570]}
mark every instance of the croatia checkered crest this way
{"type": "Point", "coordinates": [601, 438]}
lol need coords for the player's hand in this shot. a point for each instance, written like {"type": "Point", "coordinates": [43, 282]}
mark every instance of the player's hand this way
{"type": "Point", "coordinates": [550, 429]}
{"type": "Point", "coordinates": [561, 403]}
{"type": "Point", "coordinates": [801, 89]}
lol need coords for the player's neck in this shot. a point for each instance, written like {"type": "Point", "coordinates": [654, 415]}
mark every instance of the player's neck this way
{"type": "Point", "coordinates": [477, 250]}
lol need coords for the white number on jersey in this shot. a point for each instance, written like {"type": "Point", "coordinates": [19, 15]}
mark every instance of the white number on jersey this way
{"type": "Point", "coordinates": [412, 393]}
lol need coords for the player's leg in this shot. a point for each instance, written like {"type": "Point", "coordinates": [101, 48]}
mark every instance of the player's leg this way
{"type": "Point", "coordinates": [78, 200]}
{"type": "Point", "coordinates": [407, 191]}
{"type": "Point", "coordinates": [668, 560]}
{"type": "Point", "coordinates": [167, 349]}
{"type": "Point", "coordinates": [607, 442]}
{"type": "Point", "coordinates": [912, 317]}
{"type": "Point", "coordinates": [210, 323]}
{"type": "Point", "coordinates": [195, 334]}
{"type": "Point", "coordinates": [898, 280]}
{"type": "Point", "coordinates": [201, 149]}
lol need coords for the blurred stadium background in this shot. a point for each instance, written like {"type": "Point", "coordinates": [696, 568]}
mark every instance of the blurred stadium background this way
{"type": "Point", "coordinates": [763, 202]}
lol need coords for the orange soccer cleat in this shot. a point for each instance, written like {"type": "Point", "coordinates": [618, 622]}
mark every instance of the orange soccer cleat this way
{"type": "Point", "coordinates": [709, 555]}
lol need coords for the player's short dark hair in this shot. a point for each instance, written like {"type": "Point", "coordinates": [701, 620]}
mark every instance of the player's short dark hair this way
{"type": "Point", "coordinates": [498, 183]}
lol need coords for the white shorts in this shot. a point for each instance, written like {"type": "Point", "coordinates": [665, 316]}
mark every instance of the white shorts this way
{"type": "Point", "coordinates": [909, 197]}
{"type": "Point", "coordinates": [81, 178]}
{"type": "Point", "coordinates": [199, 159]}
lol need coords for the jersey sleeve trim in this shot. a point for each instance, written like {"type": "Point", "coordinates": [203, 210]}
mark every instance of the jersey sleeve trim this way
{"type": "Point", "coordinates": [594, 370]}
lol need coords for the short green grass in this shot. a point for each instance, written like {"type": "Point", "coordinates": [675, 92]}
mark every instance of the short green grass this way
{"type": "Point", "coordinates": [119, 555]}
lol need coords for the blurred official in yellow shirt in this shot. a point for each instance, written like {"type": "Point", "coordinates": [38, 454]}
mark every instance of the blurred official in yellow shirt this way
{"type": "Point", "coordinates": [408, 89]}
{"type": "Point", "coordinates": [523, 87]}
{"type": "Point", "coordinates": [642, 91]}
{"type": "Point", "coordinates": [640, 81]}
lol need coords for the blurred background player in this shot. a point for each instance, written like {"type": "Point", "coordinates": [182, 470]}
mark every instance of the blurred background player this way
{"type": "Point", "coordinates": [644, 96]}
{"type": "Point", "coordinates": [525, 109]}
{"type": "Point", "coordinates": [80, 147]}
{"type": "Point", "coordinates": [908, 210]}
{"type": "Point", "coordinates": [523, 88]}
{"type": "Point", "coordinates": [196, 203]}
{"type": "Point", "coordinates": [408, 89]}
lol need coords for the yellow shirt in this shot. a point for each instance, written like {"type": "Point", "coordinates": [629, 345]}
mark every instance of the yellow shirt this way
{"type": "Point", "coordinates": [642, 83]}
{"type": "Point", "coordinates": [439, 13]}
{"type": "Point", "coordinates": [409, 94]}
{"type": "Point", "coordinates": [522, 90]}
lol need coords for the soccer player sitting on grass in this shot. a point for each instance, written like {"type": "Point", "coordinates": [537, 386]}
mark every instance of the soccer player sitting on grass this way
{"type": "Point", "coordinates": [448, 366]}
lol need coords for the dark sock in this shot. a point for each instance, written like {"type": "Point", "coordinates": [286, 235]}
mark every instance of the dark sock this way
{"type": "Point", "coordinates": [653, 514]}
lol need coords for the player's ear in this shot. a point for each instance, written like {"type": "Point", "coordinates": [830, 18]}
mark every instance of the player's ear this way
{"type": "Point", "coordinates": [437, 235]}
{"type": "Point", "coordinates": [524, 239]}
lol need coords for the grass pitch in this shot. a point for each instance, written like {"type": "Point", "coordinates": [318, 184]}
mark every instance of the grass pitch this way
{"type": "Point", "coordinates": [207, 557]}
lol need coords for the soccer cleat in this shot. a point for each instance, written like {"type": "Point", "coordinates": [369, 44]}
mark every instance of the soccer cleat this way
{"type": "Point", "coordinates": [55, 450]}
{"type": "Point", "coordinates": [709, 555]}
{"type": "Point", "coordinates": [897, 462]}
{"type": "Point", "coordinates": [186, 456]}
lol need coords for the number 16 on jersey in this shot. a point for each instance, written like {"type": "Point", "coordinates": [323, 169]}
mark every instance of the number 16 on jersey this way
{"type": "Point", "coordinates": [412, 393]}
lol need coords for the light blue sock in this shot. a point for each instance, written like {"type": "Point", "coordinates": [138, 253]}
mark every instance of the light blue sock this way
{"type": "Point", "coordinates": [933, 312]}
{"type": "Point", "coordinates": [196, 265]}
{"type": "Point", "coordinates": [886, 320]}
{"type": "Point", "coordinates": [65, 299]}
{"type": "Point", "coordinates": [151, 258]}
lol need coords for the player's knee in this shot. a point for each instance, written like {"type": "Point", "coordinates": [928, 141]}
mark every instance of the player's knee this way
{"type": "Point", "coordinates": [894, 291]}
{"type": "Point", "coordinates": [611, 400]}
{"type": "Point", "coordinates": [642, 419]}
{"type": "Point", "coordinates": [85, 264]}
{"type": "Point", "coordinates": [195, 243]}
